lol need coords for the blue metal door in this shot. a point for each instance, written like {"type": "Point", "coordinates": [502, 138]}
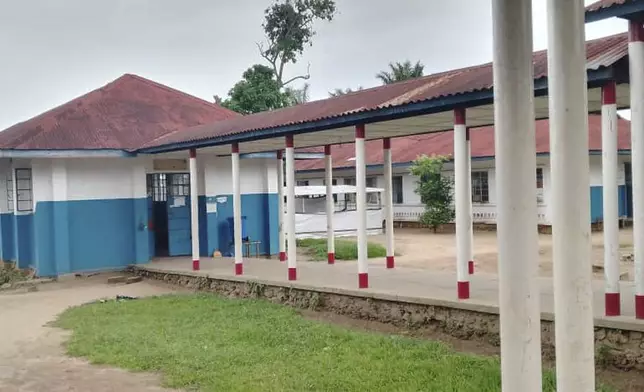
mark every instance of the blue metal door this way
{"type": "Point", "coordinates": [179, 237]}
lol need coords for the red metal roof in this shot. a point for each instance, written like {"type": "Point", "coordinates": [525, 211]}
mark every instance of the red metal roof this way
{"type": "Point", "coordinates": [123, 114]}
{"type": "Point", "coordinates": [600, 53]}
{"type": "Point", "coordinates": [605, 4]}
{"type": "Point", "coordinates": [406, 149]}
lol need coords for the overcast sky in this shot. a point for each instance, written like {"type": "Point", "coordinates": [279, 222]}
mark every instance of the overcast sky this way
{"type": "Point", "coordinates": [53, 51]}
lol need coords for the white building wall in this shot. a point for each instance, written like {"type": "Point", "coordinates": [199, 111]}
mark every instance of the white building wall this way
{"type": "Point", "coordinates": [256, 175]}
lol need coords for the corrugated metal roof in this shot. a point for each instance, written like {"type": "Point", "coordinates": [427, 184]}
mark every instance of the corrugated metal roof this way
{"type": "Point", "coordinates": [605, 4]}
{"type": "Point", "coordinates": [601, 53]}
{"type": "Point", "coordinates": [406, 149]}
{"type": "Point", "coordinates": [124, 114]}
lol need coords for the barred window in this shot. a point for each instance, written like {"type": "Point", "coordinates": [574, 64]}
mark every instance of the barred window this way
{"type": "Point", "coordinates": [10, 191]}
{"type": "Point", "coordinates": [24, 190]}
{"type": "Point", "coordinates": [480, 189]}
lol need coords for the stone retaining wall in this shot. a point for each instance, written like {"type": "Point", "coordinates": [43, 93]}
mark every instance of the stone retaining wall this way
{"type": "Point", "coordinates": [621, 348]}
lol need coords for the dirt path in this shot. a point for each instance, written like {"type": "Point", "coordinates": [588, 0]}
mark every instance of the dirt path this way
{"type": "Point", "coordinates": [31, 354]}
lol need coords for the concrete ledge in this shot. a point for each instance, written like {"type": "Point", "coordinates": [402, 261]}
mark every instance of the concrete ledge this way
{"type": "Point", "coordinates": [622, 338]}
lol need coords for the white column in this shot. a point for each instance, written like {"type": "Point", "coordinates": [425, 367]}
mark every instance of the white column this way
{"type": "Point", "coordinates": [514, 136]}
{"type": "Point", "coordinates": [568, 105]}
{"type": "Point", "coordinates": [610, 200]}
{"type": "Point", "coordinates": [470, 263]}
{"type": "Point", "coordinates": [280, 205]}
{"type": "Point", "coordinates": [389, 202]}
{"type": "Point", "coordinates": [237, 216]}
{"type": "Point", "coordinates": [290, 208]}
{"type": "Point", "coordinates": [636, 58]}
{"type": "Point", "coordinates": [194, 209]}
{"type": "Point", "coordinates": [330, 205]}
{"type": "Point", "coordinates": [361, 207]}
{"type": "Point", "coordinates": [463, 246]}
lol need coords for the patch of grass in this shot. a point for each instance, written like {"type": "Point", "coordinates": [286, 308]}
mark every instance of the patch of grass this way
{"type": "Point", "coordinates": [208, 343]}
{"type": "Point", "coordinates": [344, 249]}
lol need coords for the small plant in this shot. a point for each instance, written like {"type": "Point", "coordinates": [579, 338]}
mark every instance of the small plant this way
{"type": "Point", "coordinates": [10, 274]}
{"type": "Point", "coordinates": [603, 355]}
{"type": "Point", "coordinates": [434, 189]}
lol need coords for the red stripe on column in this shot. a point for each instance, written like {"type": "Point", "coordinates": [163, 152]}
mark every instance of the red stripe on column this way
{"type": "Point", "coordinates": [195, 265]}
{"type": "Point", "coordinates": [467, 134]}
{"type": "Point", "coordinates": [612, 304]}
{"type": "Point", "coordinates": [239, 269]}
{"type": "Point", "coordinates": [639, 307]}
{"type": "Point", "coordinates": [327, 150]}
{"type": "Point", "coordinates": [363, 281]}
{"type": "Point", "coordinates": [193, 153]}
{"type": "Point", "coordinates": [459, 116]}
{"type": "Point", "coordinates": [390, 262]}
{"type": "Point", "coordinates": [635, 31]}
{"type": "Point", "coordinates": [279, 154]}
{"type": "Point", "coordinates": [463, 289]}
{"type": "Point", "coordinates": [360, 131]}
{"type": "Point", "coordinates": [289, 141]}
{"type": "Point", "coordinates": [470, 267]}
{"type": "Point", "coordinates": [609, 94]}
{"type": "Point", "coordinates": [234, 148]}
{"type": "Point", "coordinates": [282, 256]}
{"type": "Point", "coordinates": [386, 143]}
{"type": "Point", "coordinates": [292, 274]}
{"type": "Point", "coordinates": [331, 258]}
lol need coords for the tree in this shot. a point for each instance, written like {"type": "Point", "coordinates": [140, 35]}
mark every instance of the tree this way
{"type": "Point", "coordinates": [297, 96]}
{"type": "Point", "coordinates": [288, 26]}
{"type": "Point", "coordinates": [258, 91]}
{"type": "Point", "coordinates": [434, 189]}
{"type": "Point", "coordinates": [401, 71]}
{"type": "Point", "coordinates": [338, 91]}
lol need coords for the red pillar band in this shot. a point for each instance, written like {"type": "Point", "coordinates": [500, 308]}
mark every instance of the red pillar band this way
{"type": "Point", "coordinates": [360, 131]}
{"type": "Point", "coordinates": [292, 274]}
{"type": "Point", "coordinates": [459, 116]}
{"type": "Point", "coordinates": [390, 262]}
{"type": "Point", "coordinates": [331, 258]}
{"type": "Point", "coordinates": [279, 154]}
{"type": "Point", "coordinates": [289, 141]}
{"type": "Point", "coordinates": [639, 307]}
{"type": "Point", "coordinates": [463, 289]}
{"type": "Point", "coordinates": [234, 148]}
{"type": "Point", "coordinates": [327, 150]}
{"type": "Point", "coordinates": [363, 281]}
{"type": "Point", "coordinates": [239, 269]}
{"type": "Point", "coordinates": [609, 94]}
{"type": "Point", "coordinates": [195, 265]}
{"type": "Point", "coordinates": [282, 256]}
{"type": "Point", "coordinates": [612, 304]}
{"type": "Point", "coordinates": [386, 143]}
{"type": "Point", "coordinates": [193, 153]}
{"type": "Point", "coordinates": [635, 31]}
{"type": "Point", "coordinates": [470, 267]}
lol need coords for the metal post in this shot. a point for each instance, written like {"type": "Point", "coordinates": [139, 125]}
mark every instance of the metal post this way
{"type": "Point", "coordinates": [237, 218]}
{"type": "Point", "coordinates": [290, 208]}
{"type": "Point", "coordinates": [514, 137]}
{"type": "Point", "coordinates": [463, 246]}
{"type": "Point", "coordinates": [194, 209]}
{"type": "Point", "coordinates": [568, 103]}
{"type": "Point", "coordinates": [361, 207]}
{"type": "Point", "coordinates": [330, 206]}
{"type": "Point", "coordinates": [636, 58]}
{"type": "Point", "coordinates": [389, 202]}
{"type": "Point", "coordinates": [470, 263]}
{"type": "Point", "coordinates": [610, 200]}
{"type": "Point", "coordinates": [280, 205]}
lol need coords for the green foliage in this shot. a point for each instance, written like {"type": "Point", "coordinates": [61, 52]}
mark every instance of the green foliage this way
{"type": "Point", "coordinates": [258, 91]}
{"type": "Point", "coordinates": [10, 274]}
{"type": "Point", "coordinates": [288, 25]}
{"type": "Point", "coordinates": [208, 343]}
{"type": "Point", "coordinates": [401, 71]}
{"type": "Point", "coordinates": [338, 91]}
{"type": "Point", "coordinates": [344, 249]}
{"type": "Point", "coordinates": [434, 189]}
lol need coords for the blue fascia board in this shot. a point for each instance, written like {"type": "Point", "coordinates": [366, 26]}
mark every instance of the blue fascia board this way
{"type": "Point", "coordinates": [273, 155]}
{"type": "Point", "coordinates": [437, 105]}
{"type": "Point", "coordinates": [100, 153]}
{"type": "Point", "coordinates": [474, 159]}
{"type": "Point", "coordinates": [615, 11]}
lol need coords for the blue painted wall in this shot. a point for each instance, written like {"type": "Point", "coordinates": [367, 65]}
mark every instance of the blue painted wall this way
{"type": "Point", "coordinates": [597, 199]}
{"type": "Point", "coordinates": [24, 240]}
{"type": "Point", "coordinates": [203, 228]}
{"type": "Point", "coordinates": [260, 211]}
{"type": "Point", "coordinates": [8, 246]}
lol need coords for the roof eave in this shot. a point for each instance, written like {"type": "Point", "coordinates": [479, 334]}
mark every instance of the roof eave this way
{"type": "Point", "coordinates": [628, 10]}
{"type": "Point", "coordinates": [595, 78]}
{"type": "Point", "coordinates": [101, 153]}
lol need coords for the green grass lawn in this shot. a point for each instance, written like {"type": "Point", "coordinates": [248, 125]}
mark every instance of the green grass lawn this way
{"type": "Point", "coordinates": [208, 343]}
{"type": "Point", "coordinates": [344, 249]}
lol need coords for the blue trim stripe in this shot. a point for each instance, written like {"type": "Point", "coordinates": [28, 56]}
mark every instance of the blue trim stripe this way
{"type": "Point", "coordinates": [627, 10]}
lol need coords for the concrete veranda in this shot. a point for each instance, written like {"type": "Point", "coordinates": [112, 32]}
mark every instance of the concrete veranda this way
{"type": "Point", "coordinates": [400, 284]}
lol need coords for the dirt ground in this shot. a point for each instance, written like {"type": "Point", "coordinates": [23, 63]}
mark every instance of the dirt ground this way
{"type": "Point", "coordinates": [31, 354]}
{"type": "Point", "coordinates": [422, 248]}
